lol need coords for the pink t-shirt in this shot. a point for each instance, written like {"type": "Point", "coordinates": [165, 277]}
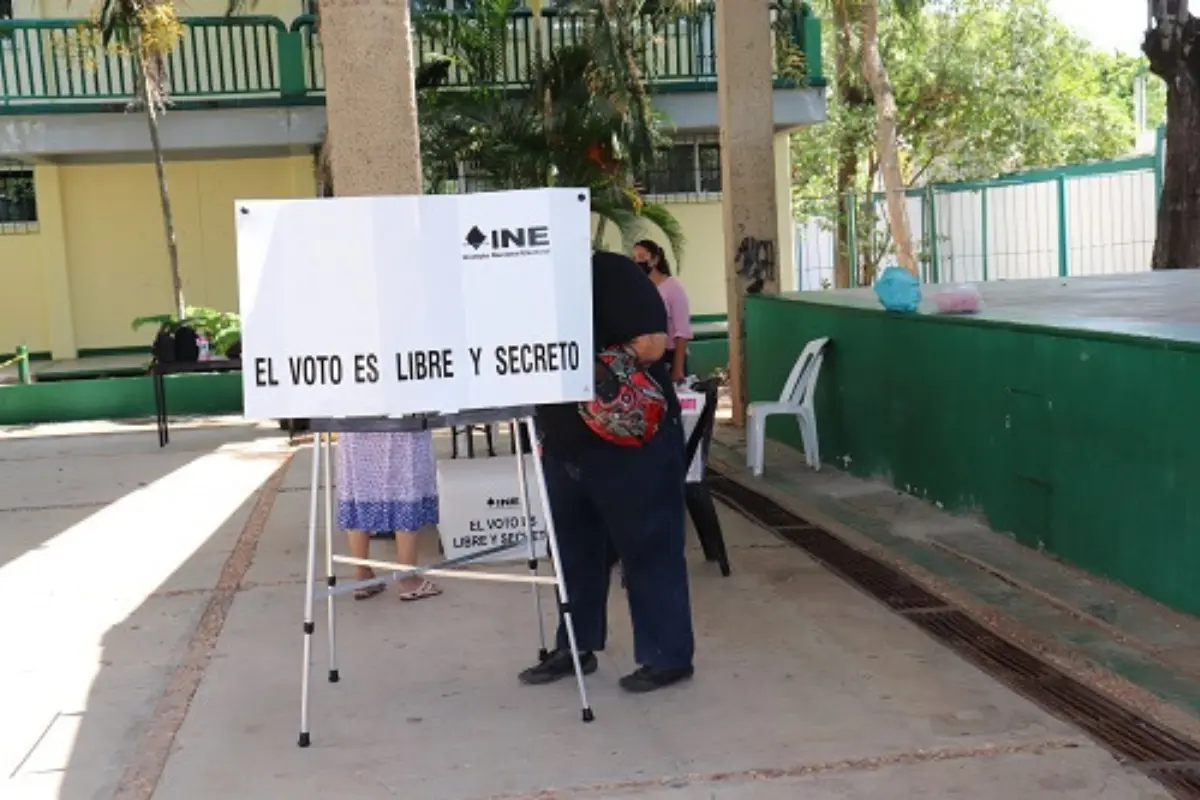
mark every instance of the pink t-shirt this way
{"type": "Point", "coordinates": [679, 316]}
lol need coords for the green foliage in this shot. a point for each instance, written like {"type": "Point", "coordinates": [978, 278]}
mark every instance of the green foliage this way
{"type": "Point", "coordinates": [582, 117]}
{"type": "Point", "coordinates": [983, 87]}
{"type": "Point", "coordinates": [1120, 71]}
{"type": "Point", "coordinates": [221, 328]}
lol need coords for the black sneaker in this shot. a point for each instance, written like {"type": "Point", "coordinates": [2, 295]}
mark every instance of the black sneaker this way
{"type": "Point", "coordinates": [647, 679]}
{"type": "Point", "coordinates": [559, 665]}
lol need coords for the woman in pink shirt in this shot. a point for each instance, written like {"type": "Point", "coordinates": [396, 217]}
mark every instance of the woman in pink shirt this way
{"type": "Point", "coordinates": [653, 260]}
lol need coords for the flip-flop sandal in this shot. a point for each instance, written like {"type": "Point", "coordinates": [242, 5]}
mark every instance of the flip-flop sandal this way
{"type": "Point", "coordinates": [367, 592]}
{"type": "Point", "coordinates": [426, 589]}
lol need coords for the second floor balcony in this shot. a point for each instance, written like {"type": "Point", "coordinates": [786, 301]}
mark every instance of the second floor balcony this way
{"type": "Point", "coordinates": [257, 84]}
{"type": "Point", "coordinates": [51, 66]}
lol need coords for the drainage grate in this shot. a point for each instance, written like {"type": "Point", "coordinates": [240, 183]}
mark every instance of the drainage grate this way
{"type": "Point", "coordinates": [895, 590]}
{"type": "Point", "coordinates": [1162, 755]}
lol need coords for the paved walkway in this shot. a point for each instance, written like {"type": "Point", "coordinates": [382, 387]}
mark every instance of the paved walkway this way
{"type": "Point", "coordinates": [156, 598]}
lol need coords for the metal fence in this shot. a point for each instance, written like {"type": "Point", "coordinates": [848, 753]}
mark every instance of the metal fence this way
{"type": "Point", "coordinates": [1094, 219]}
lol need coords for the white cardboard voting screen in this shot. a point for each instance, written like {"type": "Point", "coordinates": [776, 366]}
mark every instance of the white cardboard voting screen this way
{"type": "Point", "coordinates": [480, 501]}
{"type": "Point", "coordinates": [384, 306]}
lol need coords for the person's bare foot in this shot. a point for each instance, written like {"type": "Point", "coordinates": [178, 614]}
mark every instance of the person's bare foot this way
{"type": "Point", "coordinates": [367, 592]}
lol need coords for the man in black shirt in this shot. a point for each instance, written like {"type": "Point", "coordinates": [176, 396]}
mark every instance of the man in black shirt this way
{"type": "Point", "coordinates": [611, 502]}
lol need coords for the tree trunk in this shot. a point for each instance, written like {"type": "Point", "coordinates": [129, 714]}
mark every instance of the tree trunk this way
{"type": "Point", "coordinates": [1174, 57]}
{"type": "Point", "coordinates": [150, 103]}
{"type": "Point", "coordinates": [886, 115]}
{"type": "Point", "coordinates": [749, 215]}
{"type": "Point", "coordinates": [849, 96]}
{"type": "Point", "coordinates": [371, 99]}
{"type": "Point", "coordinates": [547, 101]}
{"type": "Point", "coordinates": [844, 256]}
{"type": "Point", "coordinates": [323, 167]}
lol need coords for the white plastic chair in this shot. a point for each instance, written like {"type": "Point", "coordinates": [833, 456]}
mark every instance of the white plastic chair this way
{"type": "Point", "coordinates": [796, 398]}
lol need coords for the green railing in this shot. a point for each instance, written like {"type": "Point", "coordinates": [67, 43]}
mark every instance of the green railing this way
{"type": "Point", "coordinates": [61, 64]}
{"type": "Point", "coordinates": [681, 53]}
{"type": "Point", "coordinates": [56, 65]}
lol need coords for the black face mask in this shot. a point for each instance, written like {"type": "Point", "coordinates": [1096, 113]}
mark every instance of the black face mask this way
{"type": "Point", "coordinates": [645, 265]}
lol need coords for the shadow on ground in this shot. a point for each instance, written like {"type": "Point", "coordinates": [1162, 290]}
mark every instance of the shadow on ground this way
{"type": "Point", "coordinates": [111, 548]}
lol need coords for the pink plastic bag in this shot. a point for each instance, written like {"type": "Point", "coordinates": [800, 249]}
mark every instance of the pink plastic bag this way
{"type": "Point", "coordinates": [960, 299]}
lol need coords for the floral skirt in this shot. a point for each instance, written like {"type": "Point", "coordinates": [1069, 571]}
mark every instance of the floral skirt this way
{"type": "Point", "coordinates": [386, 481]}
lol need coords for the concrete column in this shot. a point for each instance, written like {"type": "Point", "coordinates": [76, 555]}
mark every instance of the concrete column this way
{"type": "Point", "coordinates": [56, 276]}
{"type": "Point", "coordinates": [785, 253]}
{"type": "Point", "coordinates": [371, 101]}
{"type": "Point", "coordinates": [744, 98]}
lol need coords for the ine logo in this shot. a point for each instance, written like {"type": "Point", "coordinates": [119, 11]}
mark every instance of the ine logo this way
{"type": "Point", "coordinates": [503, 502]}
{"type": "Point", "coordinates": [533, 240]}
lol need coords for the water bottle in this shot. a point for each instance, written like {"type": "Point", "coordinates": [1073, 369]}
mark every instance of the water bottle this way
{"type": "Point", "coordinates": [204, 351]}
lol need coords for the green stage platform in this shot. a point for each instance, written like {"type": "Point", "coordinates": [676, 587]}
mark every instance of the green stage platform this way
{"type": "Point", "coordinates": [1063, 414]}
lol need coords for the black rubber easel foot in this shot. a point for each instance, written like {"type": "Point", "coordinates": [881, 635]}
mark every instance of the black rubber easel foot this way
{"type": "Point", "coordinates": [588, 716]}
{"type": "Point", "coordinates": [305, 741]}
{"type": "Point", "coordinates": [334, 677]}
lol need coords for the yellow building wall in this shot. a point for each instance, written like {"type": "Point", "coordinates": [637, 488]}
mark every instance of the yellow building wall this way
{"type": "Point", "coordinates": [98, 257]}
{"type": "Point", "coordinates": [23, 308]}
{"type": "Point", "coordinates": [702, 270]}
{"type": "Point", "coordinates": [116, 249]}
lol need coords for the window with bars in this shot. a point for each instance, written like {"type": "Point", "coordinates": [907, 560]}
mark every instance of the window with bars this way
{"type": "Point", "coordinates": [691, 169]}
{"type": "Point", "coordinates": [18, 201]}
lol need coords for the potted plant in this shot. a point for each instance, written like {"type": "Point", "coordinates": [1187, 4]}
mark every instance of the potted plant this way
{"type": "Point", "coordinates": [223, 329]}
{"type": "Point", "coordinates": [174, 339]}
{"type": "Point", "coordinates": [178, 340]}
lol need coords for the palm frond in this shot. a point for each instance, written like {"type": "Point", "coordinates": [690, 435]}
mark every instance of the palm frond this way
{"type": "Point", "coordinates": [625, 221]}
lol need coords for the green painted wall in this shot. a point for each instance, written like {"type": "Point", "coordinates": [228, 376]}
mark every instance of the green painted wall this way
{"type": "Point", "coordinates": [705, 356]}
{"type": "Point", "coordinates": [118, 398]}
{"type": "Point", "coordinates": [1085, 445]}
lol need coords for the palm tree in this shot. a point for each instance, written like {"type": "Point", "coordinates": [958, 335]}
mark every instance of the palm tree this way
{"type": "Point", "coordinates": [146, 31]}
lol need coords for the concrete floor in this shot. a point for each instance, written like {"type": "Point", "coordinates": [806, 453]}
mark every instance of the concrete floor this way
{"type": "Point", "coordinates": [137, 576]}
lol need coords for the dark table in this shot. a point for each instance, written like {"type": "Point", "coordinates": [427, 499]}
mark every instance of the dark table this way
{"type": "Point", "coordinates": [697, 495]}
{"type": "Point", "coordinates": [161, 369]}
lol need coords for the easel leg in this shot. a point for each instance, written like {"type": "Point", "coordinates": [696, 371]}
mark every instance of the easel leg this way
{"type": "Point", "coordinates": [523, 479]}
{"type": "Point", "coordinates": [309, 588]}
{"type": "Point", "coordinates": [560, 581]}
{"type": "Point", "coordinates": [330, 577]}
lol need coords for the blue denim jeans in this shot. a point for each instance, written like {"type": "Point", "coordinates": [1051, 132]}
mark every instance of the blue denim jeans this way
{"type": "Point", "coordinates": [625, 503]}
